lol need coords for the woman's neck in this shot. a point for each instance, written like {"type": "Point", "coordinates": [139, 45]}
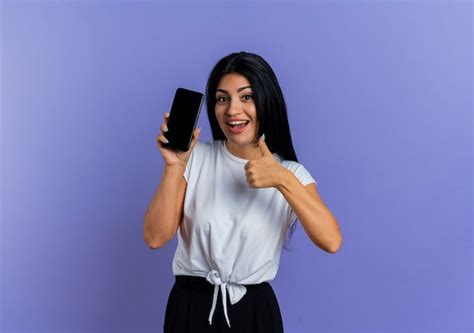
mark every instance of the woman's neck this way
{"type": "Point", "coordinates": [249, 151]}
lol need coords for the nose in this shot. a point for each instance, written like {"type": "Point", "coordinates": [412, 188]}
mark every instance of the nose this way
{"type": "Point", "coordinates": [235, 107]}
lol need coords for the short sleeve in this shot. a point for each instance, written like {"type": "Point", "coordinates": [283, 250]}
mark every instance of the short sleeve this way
{"type": "Point", "coordinates": [304, 176]}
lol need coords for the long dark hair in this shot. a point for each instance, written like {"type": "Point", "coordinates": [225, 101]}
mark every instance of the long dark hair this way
{"type": "Point", "coordinates": [269, 102]}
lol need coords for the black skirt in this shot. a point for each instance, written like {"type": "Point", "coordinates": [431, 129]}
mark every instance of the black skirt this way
{"type": "Point", "coordinates": [190, 302]}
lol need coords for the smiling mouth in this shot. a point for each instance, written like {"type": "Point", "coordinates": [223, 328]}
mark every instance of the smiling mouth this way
{"type": "Point", "coordinates": [242, 125]}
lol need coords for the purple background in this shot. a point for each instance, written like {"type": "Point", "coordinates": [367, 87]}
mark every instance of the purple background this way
{"type": "Point", "coordinates": [379, 99]}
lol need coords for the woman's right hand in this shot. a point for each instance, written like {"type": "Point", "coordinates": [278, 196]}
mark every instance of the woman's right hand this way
{"type": "Point", "coordinates": [174, 157]}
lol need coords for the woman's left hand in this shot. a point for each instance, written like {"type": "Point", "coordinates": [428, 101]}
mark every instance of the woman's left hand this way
{"type": "Point", "coordinates": [264, 171]}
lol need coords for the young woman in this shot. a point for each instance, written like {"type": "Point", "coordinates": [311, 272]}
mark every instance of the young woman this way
{"type": "Point", "coordinates": [232, 201]}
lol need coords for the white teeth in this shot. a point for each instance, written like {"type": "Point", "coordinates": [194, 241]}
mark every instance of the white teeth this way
{"type": "Point", "coordinates": [237, 122]}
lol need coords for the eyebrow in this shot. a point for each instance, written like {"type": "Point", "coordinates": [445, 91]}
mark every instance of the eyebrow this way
{"type": "Point", "coordinates": [238, 90]}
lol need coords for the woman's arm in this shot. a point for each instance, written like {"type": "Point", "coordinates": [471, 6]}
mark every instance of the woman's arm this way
{"type": "Point", "coordinates": [318, 222]}
{"type": "Point", "coordinates": [165, 211]}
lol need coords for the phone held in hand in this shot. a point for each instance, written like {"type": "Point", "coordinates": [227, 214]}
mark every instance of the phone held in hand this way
{"type": "Point", "coordinates": [183, 118]}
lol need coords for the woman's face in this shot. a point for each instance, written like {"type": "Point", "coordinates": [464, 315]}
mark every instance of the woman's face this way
{"type": "Point", "coordinates": [234, 102]}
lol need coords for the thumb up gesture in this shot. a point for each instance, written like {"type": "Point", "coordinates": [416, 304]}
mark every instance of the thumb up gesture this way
{"type": "Point", "coordinates": [264, 171]}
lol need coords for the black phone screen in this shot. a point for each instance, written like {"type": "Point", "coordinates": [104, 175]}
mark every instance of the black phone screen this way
{"type": "Point", "coordinates": [183, 118]}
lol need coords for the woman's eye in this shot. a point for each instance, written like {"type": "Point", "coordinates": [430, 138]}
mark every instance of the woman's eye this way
{"type": "Point", "coordinates": [250, 97]}
{"type": "Point", "coordinates": [221, 99]}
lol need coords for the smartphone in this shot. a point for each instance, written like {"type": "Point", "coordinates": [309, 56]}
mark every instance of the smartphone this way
{"type": "Point", "coordinates": [183, 118]}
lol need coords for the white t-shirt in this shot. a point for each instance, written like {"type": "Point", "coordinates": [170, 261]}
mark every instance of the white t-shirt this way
{"type": "Point", "coordinates": [231, 234]}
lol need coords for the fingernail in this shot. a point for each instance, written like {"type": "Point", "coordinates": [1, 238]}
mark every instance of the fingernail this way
{"type": "Point", "coordinates": [166, 140]}
{"type": "Point", "coordinates": [263, 136]}
{"type": "Point", "coordinates": [166, 129]}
